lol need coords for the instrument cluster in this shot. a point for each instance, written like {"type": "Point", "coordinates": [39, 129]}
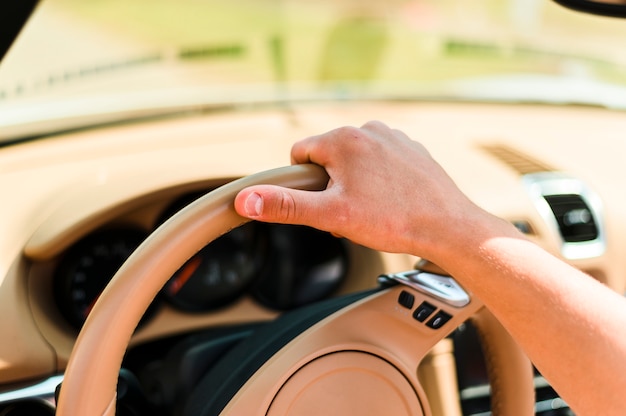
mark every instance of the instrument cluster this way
{"type": "Point", "coordinates": [280, 266]}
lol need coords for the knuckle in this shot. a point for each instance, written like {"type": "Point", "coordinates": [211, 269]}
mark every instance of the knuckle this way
{"type": "Point", "coordinates": [286, 207]}
{"type": "Point", "coordinates": [374, 125]}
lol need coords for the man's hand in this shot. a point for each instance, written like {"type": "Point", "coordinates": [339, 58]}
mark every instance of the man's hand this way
{"type": "Point", "coordinates": [385, 192]}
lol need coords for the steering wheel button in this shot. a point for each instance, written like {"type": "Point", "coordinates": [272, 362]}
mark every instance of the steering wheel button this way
{"type": "Point", "coordinates": [406, 299]}
{"type": "Point", "coordinates": [439, 320]}
{"type": "Point", "coordinates": [423, 311]}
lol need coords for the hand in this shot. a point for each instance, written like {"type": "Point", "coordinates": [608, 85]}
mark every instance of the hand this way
{"type": "Point", "coordinates": [385, 192]}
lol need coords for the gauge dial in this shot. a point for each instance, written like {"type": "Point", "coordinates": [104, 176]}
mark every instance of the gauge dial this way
{"type": "Point", "coordinates": [219, 273]}
{"type": "Point", "coordinates": [304, 265]}
{"type": "Point", "coordinates": [87, 268]}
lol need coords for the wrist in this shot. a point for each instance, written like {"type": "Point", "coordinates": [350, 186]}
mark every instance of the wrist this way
{"type": "Point", "coordinates": [461, 240]}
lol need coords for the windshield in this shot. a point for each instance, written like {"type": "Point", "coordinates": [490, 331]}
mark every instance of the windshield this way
{"type": "Point", "coordinates": [79, 56]}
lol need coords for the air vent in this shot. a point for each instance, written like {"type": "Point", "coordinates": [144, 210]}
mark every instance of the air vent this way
{"type": "Point", "coordinates": [518, 161]}
{"type": "Point", "coordinates": [575, 220]}
{"type": "Point", "coordinates": [572, 210]}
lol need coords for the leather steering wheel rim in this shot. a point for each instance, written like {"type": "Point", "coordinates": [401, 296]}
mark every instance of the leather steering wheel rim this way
{"type": "Point", "coordinates": [89, 386]}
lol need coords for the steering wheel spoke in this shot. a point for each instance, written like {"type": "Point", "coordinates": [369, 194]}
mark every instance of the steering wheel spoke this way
{"type": "Point", "coordinates": [372, 346]}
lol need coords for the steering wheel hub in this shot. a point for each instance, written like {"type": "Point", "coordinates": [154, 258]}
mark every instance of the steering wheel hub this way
{"type": "Point", "coordinates": [350, 382]}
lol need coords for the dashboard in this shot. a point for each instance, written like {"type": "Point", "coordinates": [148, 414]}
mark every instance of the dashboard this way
{"type": "Point", "coordinates": [77, 204]}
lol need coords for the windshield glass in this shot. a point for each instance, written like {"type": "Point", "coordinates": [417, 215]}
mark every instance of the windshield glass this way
{"type": "Point", "coordinates": [216, 52]}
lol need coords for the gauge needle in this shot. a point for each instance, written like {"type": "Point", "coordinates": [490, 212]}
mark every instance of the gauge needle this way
{"type": "Point", "coordinates": [184, 275]}
{"type": "Point", "coordinates": [90, 307]}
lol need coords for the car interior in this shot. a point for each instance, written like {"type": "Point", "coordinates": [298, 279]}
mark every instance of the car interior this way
{"type": "Point", "coordinates": [129, 286]}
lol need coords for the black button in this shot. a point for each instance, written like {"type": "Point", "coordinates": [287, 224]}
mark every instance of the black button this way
{"type": "Point", "coordinates": [423, 311]}
{"type": "Point", "coordinates": [406, 299]}
{"type": "Point", "coordinates": [439, 320]}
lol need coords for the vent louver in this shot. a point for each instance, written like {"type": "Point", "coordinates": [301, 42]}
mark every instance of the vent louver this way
{"type": "Point", "coordinates": [572, 210]}
{"type": "Point", "coordinates": [575, 220]}
{"type": "Point", "coordinates": [520, 162]}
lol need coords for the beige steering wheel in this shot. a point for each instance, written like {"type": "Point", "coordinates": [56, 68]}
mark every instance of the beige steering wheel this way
{"type": "Point", "coordinates": [89, 387]}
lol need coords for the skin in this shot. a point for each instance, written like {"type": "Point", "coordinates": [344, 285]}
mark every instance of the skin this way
{"type": "Point", "coordinates": [386, 192]}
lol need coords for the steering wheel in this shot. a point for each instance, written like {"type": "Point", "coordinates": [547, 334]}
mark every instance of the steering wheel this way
{"type": "Point", "coordinates": [361, 359]}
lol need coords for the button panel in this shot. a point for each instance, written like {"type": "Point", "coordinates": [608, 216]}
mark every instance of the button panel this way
{"type": "Point", "coordinates": [424, 311]}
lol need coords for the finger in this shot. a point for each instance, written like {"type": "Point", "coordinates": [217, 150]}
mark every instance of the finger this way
{"type": "Point", "coordinates": [320, 149]}
{"type": "Point", "coordinates": [304, 151]}
{"type": "Point", "coordinates": [269, 203]}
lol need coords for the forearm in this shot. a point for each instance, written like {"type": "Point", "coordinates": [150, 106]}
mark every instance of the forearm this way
{"type": "Point", "coordinates": [571, 326]}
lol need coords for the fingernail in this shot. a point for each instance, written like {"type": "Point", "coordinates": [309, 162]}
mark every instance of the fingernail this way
{"type": "Point", "coordinates": [254, 205]}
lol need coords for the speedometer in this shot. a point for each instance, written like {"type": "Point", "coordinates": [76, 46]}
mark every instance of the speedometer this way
{"type": "Point", "coordinates": [219, 273]}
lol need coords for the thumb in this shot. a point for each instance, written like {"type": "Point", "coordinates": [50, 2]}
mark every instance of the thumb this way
{"type": "Point", "coordinates": [270, 203]}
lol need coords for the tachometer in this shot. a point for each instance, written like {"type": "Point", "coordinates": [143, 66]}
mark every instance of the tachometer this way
{"type": "Point", "coordinates": [88, 266]}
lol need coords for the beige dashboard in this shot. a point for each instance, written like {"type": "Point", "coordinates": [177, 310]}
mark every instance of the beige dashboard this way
{"type": "Point", "coordinates": [57, 190]}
